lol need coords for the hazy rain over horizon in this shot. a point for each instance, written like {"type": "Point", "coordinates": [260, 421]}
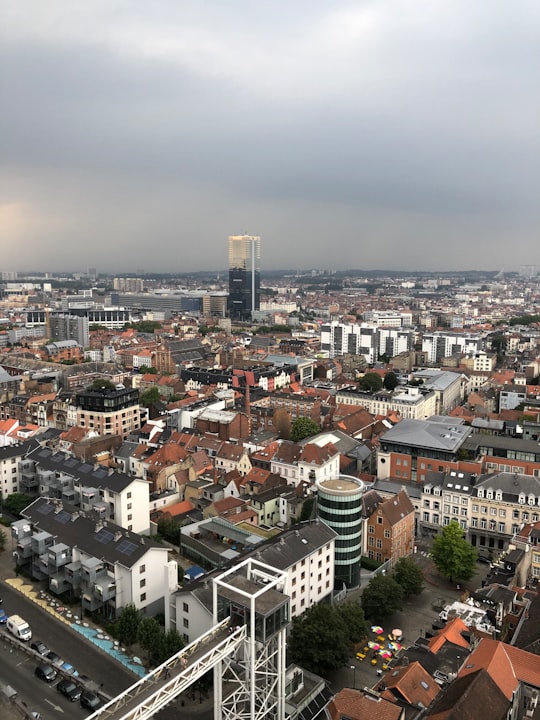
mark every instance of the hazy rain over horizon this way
{"type": "Point", "coordinates": [399, 134]}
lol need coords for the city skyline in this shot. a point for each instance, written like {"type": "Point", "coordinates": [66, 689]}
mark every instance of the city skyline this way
{"type": "Point", "coordinates": [346, 134]}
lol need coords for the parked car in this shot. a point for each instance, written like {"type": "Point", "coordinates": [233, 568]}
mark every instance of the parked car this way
{"type": "Point", "coordinates": [70, 689]}
{"type": "Point", "coordinates": [40, 647]}
{"type": "Point", "coordinates": [69, 669]}
{"type": "Point", "coordinates": [3, 617]}
{"type": "Point", "coordinates": [54, 659]}
{"type": "Point", "coordinates": [90, 701]}
{"type": "Point", "coordinates": [46, 672]}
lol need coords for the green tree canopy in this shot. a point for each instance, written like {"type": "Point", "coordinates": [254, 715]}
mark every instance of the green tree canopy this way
{"type": "Point", "coordinates": [145, 370]}
{"type": "Point", "coordinates": [390, 381]}
{"type": "Point", "coordinates": [353, 616]}
{"type": "Point", "coordinates": [101, 384]}
{"type": "Point", "coordinates": [371, 382]}
{"type": "Point", "coordinates": [127, 625]}
{"type": "Point", "coordinates": [303, 427]}
{"type": "Point", "coordinates": [319, 640]}
{"type": "Point", "coordinates": [150, 396]}
{"type": "Point", "coordinates": [16, 502]}
{"type": "Point", "coordinates": [151, 638]}
{"type": "Point", "coordinates": [453, 555]}
{"type": "Point", "coordinates": [382, 597]}
{"type": "Point", "coordinates": [409, 575]}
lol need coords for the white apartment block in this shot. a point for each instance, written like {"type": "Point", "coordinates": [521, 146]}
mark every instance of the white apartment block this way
{"type": "Point", "coordinates": [410, 402]}
{"type": "Point", "coordinates": [305, 553]}
{"type": "Point", "coordinates": [100, 562]}
{"type": "Point", "coordinates": [388, 318]}
{"type": "Point", "coordinates": [440, 345]}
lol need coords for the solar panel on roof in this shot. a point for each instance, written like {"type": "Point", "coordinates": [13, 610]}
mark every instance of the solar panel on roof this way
{"type": "Point", "coordinates": [70, 462]}
{"type": "Point", "coordinates": [104, 536]}
{"type": "Point", "coordinates": [44, 453]}
{"type": "Point", "coordinates": [63, 517]}
{"type": "Point", "coordinates": [126, 547]}
{"type": "Point", "coordinates": [99, 473]}
{"type": "Point", "coordinates": [85, 467]}
{"type": "Point", "coordinates": [57, 458]}
{"type": "Point", "coordinates": [45, 509]}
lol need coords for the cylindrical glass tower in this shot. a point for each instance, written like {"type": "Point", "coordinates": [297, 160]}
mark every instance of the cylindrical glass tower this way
{"type": "Point", "coordinates": [339, 504]}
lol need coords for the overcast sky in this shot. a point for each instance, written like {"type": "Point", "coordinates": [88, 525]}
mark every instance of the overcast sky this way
{"type": "Point", "coordinates": [365, 134]}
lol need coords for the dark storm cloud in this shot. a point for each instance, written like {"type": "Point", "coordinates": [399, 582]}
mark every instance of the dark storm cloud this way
{"type": "Point", "coordinates": [149, 129]}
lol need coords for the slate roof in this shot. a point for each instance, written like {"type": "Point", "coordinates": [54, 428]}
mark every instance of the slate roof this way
{"type": "Point", "coordinates": [447, 437]}
{"type": "Point", "coordinates": [291, 546]}
{"type": "Point", "coordinates": [106, 541]}
{"type": "Point", "coordinates": [86, 473]}
{"type": "Point", "coordinates": [468, 698]}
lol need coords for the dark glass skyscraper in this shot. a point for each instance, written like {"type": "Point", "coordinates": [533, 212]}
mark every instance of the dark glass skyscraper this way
{"type": "Point", "coordinates": [244, 275]}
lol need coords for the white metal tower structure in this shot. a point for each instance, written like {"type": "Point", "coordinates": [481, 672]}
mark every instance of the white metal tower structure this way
{"type": "Point", "coordinates": [251, 594]}
{"type": "Point", "coordinates": [245, 647]}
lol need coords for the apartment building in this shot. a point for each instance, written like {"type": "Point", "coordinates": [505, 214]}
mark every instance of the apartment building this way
{"type": "Point", "coordinates": [305, 553]}
{"type": "Point", "coordinates": [105, 493]}
{"type": "Point", "coordinates": [440, 345]}
{"type": "Point", "coordinates": [110, 411]}
{"type": "Point", "coordinates": [101, 563]}
{"type": "Point", "coordinates": [410, 449]}
{"type": "Point", "coordinates": [413, 403]}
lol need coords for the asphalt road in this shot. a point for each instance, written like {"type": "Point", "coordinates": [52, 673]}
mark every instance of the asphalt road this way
{"type": "Point", "coordinates": [70, 645]}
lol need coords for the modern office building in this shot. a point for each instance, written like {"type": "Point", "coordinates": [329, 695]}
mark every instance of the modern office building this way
{"type": "Point", "coordinates": [339, 505]}
{"type": "Point", "coordinates": [244, 275]}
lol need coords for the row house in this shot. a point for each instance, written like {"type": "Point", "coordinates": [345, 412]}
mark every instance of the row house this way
{"type": "Point", "coordinates": [491, 509]}
{"type": "Point", "coordinates": [390, 527]}
{"type": "Point", "coordinates": [232, 456]}
{"type": "Point", "coordinates": [308, 464]}
{"type": "Point", "coordinates": [103, 564]}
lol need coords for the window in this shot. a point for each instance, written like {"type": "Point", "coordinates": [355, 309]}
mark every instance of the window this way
{"type": "Point", "coordinates": [380, 520]}
{"type": "Point", "coordinates": [371, 528]}
{"type": "Point", "coordinates": [142, 583]}
{"type": "Point", "coordinates": [502, 512]}
{"type": "Point", "coordinates": [387, 533]}
{"type": "Point", "coordinates": [142, 569]}
{"type": "Point", "coordinates": [475, 508]}
{"type": "Point", "coordinates": [492, 511]}
{"type": "Point", "coordinates": [129, 494]}
{"type": "Point", "coordinates": [379, 543]}
{"type": "Point", "coordinates": [129, 506]}
{"type": "Point", "coordinates": [501, 527]}
{"type": "Point", "coordinates": [143, 597]}
{"type": "Point", "coordinates": [186, 623]}
{"type": "Point", "coordinates": [185, 607]}
{"type": "Point", "coordinates": [371, 542]}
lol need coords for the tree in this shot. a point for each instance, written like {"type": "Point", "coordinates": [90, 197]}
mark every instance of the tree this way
{"type": "Point", "coordinates": [390, 381]}
{"type": "Point", "coordinates": [303, 427]}
{"type": "Point", "coordinates": [352, 614]}
{"type": "Point", "coordinates": [101, 384]}
{"type": "Point", "coordinates": [145, 370]}
{"type": "Point", "coordinates": [151, 638]}
{"type": "Point", "coordinates": [3, 540]}
{"type": "Point", "coordinates": [127, 626]}
{"type": "Point", "coordinates": [16, 502]}
{"type": "Point", "coordinates": [319, 640]}
{"type": "Point", "coordinates": [150, 397]}
{"type": "Point", "coordinates": [371, 382]}
{"type": "Point", "coordinates": [381, 597]}
{"type": "Point", "coordinates": [307, 509]}
{"type": "Point", "coordinates": [171, 644]}
{"type": "Point", "coordinates": [454, 557]}
{"type": "Point", "coordinates": [409, 575]}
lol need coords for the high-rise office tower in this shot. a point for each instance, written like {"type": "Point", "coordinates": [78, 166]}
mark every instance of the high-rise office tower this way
{"type": "Point", "coordinates": [244, 275]}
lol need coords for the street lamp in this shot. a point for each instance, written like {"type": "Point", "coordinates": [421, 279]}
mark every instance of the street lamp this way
{"type": "Point", "coordinates": [353, 668]}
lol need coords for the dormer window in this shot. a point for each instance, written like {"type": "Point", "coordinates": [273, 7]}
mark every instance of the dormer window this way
{"type": "Point", "coordinates": [489, 494]}
{"type": "Point", "coordinates": [532, 500]}
{"type": "Point", "coordinates": [498, 496]}
{"type": "Point", "coordinates": [521, 499]}
{"type": "Point", "coordinates": [480, 492]}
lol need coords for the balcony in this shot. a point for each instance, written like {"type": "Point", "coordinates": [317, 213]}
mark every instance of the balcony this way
{"type": "Point", "coordinates": [41, 542]}
{"type": "Point", "coordinates": [91, 602]}
{"type": "Point", "coordinates": [59, 555]}
{"type": "Point", "coordinates": [105, 590]}
{"type": "Point", "coordinates": [58, 584]}
{"type": "Point", "coordinates": [24, 548]}
{"type": "Point", "coordinates": [73, 574]}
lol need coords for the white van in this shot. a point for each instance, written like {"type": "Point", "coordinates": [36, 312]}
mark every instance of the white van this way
{"type": "Point", "coordinates": [19, 627]}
